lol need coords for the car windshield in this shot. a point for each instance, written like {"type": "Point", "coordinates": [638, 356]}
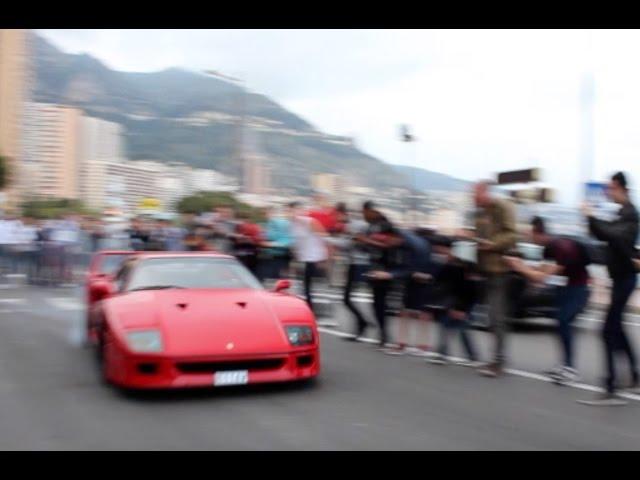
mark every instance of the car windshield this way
{"type": "Point", "coordinates": [110, 264]}
{"type": "Point", "coordinates": [191, 272]}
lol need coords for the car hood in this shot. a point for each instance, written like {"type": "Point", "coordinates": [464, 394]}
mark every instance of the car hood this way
{"type": "Point", "coordinates": [204, 322]}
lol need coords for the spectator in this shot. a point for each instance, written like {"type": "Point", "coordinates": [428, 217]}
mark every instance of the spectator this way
{"type": "Point", "coordinates": [138, 235]}
{"type": "Point", "coordinates": [457, 294]}
{"type": "Point", "coordinates": [620, 236]}
{"type": "Point", "coordinates": [495, 235]}
{"type": "Point", "coordinates": [324, 213]}
{"type": "Point", "coordinates": [246, 240]}
{"type": "Point", "coordinates": [309, 247]}
{"type": "Point", "coordinates": [223, 229]}
{"type": "Point", "coordinates": [380, 261]}
{"type": "Point", "coordinates": [570, 260]}
{"type": "Point", "coordinates": [66, 237]}
{"type": "Point", "coordinates": [173, 236]}
{"type": "Point", "coordinates": [276, 246]}
{"type": "Point", "coordinates": [411, 265]}
{"type": "Point", "coordinates": [357, 263]}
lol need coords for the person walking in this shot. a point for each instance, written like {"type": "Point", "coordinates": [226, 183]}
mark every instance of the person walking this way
{"type": "Point", "coordinates": [457, 294]}
{"type": "Point", "coordinates": [620, 236]}
{"type": "Point", "coordinates": [495, 234]}
{"type": "Point", "coordinates": [246, 239]}
{"type": "Point", "coordinates": [357, 258]}
{"type": "Point", "coordinates": [411, 266]}
{"type": "Point", "coordinates": [380, 261]}
{"type": "Point", "coordinates": [276, 246]}
{"type": "Point", "coordinates": [224, 226]}
{"type": "Point", "coordinates": [569, 259]}
{"type": "Point", "coordinates": [309, 247]}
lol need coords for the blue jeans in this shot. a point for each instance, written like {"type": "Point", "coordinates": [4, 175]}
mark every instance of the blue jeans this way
{"type": "Point", "coordinates": [571, 300]}
{"type": "Point", "coordinates": [447, 324]}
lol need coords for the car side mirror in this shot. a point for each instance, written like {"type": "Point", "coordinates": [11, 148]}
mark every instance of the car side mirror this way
{"type": "Point", "coordinates": [282, 285]}
{"type": "Point", "coordinates": [102, 289]}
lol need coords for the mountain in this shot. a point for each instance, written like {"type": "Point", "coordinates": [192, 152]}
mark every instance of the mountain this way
{"type": "Point", "coordinates": [427, 180]}
{"type": "Point", "coordinates": [178, 115]}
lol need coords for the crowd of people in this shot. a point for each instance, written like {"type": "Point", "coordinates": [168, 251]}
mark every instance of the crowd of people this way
{"type": "Point", "coordinates": [438, 286]}
{"type": "Point", "coordinates": [43, 251]}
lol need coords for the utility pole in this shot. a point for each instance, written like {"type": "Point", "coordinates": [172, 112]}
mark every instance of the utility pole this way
{"type": "Point", "coordinates": [587, 105]}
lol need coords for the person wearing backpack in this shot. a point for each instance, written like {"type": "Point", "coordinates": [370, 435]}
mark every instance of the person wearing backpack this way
{"type": "Point", "coordinates": [568, 258]}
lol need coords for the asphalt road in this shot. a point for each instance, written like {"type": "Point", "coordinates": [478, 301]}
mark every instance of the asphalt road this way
{"type": "Point", "coordinates": [52, 399]}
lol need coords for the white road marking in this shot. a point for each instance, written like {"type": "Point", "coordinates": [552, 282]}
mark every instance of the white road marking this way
{"type": "Point", "coordinates": [11, 305]}
{"type": "Point", "coordinates": [601, 320]}
{"type": "Point", "coordinates": [510, 371]}
{"type": "Point", "coordinates": [12, 301]}
{"type": "Point", "coordinates": [65, 303]}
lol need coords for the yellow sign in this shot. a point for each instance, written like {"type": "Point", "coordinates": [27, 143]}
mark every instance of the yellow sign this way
{"type": "Point", "coordinates": [150, 203]}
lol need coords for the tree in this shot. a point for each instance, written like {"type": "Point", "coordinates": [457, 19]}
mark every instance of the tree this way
{"type": "Point", "coordinates": [53, 208]}
{"type": "Point", "coordinates": [206, 201]}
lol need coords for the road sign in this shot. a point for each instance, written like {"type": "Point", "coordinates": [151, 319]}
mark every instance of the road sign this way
{"type": "Point", "coordinates": [150, 204]}
{"type": "Point", "coordinates": [533, 195]}
{"type": "Point", "coordinates": [519, 176]}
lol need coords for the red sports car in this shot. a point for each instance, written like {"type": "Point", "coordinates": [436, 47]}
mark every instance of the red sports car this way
{"type": "Point", "coordinates": [174, 320]}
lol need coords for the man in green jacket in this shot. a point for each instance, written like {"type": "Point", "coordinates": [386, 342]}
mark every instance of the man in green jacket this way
{"type": "Point", "coordinates": [495, 236]}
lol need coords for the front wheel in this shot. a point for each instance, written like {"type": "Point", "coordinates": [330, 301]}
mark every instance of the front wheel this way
{"type": "Point", "coordinates": [102, 358]}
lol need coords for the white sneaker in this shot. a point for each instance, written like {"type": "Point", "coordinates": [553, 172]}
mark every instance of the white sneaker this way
{"type": "Point", "coordinates": [437, 359]}
{"type": "Point", "coordinates": [565, 376]}
{"type": "Point", "coordinates": [394, 351]}
{"type": "Point", "coordinates": [554, 372]}
{"type": "Point", "coordinates": [570, 375]}
{"type": "Point", "coordinates": [468, 363]}
{"type": "Point", "coordinates": [417, 352]}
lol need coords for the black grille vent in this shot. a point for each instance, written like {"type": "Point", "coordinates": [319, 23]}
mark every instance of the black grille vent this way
{"type": "Point", "coordinates": [212, 367]}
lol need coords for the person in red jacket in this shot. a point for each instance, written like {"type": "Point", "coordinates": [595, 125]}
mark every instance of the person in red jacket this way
{"type": "Point", "coordinates": [246, 242]}
{"type": "Point", "coordinates": [324, 213]}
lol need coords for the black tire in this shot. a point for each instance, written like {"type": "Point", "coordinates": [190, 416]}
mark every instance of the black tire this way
{"type": "Point", "coordinates": [102, 364]}
{"type": "Point", "coordinates": [312, 382]}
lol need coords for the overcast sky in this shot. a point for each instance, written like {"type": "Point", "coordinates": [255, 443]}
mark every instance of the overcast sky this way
{"type": "Point", "coordinates": [479, 101]}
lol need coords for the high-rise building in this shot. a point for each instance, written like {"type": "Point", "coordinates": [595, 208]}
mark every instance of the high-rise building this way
{"type": "Point", "coordinates": [131, 182]}
{"type": "Point", "coordinates": [13, 91]}
{"type": "Point", "coordinates": [330, 184]}
{"type": "Point", "coordinates": [51, 150]}
{"type": "Point", "coordinates": [100, 144]}
{"type": "Point", "coordinates": [256, 174]}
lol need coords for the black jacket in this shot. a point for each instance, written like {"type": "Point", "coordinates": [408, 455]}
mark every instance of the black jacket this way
{"type": "Point", "coordinates": [621, 236]}
{"type": "Point", "coordinates": [413, 256]}
{"type": "Point", "coordinates": [454, 287]}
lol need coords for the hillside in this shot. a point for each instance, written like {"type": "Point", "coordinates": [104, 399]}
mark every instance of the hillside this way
{"type": "Point", "coordinates": [178, 115]}
{"type": "Point", "coordinates": [427, 180]}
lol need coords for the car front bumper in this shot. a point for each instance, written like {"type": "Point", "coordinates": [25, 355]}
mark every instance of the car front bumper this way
{"type": "Point", "coordinates": [162, 372]}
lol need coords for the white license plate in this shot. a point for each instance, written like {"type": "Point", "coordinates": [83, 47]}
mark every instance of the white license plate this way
{"type": "Point", "coordinates": [232, 377]}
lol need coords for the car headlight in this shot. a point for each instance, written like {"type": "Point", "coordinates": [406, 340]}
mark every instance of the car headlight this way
{"type": "Point", "coordinates": [300, 335]}
{"type": "Point", "coordinates": [145, 341]}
